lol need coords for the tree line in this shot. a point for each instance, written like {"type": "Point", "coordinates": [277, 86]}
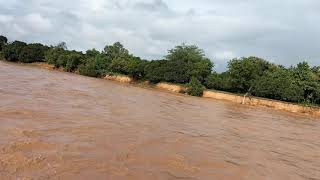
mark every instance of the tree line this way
{"type": "Point", "coordinates": [184, 64]}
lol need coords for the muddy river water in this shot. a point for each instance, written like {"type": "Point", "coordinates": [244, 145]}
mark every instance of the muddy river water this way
{"type": "Point", "coordinates": [56, 125]}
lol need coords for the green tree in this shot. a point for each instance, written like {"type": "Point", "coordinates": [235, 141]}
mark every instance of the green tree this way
{"type": "Point", "coordinates": [186, 61]}
{"type": "Point", "coordinates": [92, 53]}
{"type": "Point", "coordinates": [218, 81]}
{"type": "Point", "coordinates": [307, 80]}
{"type": "Point", "coordinates": [201, 69]}
{"type": "Point", "coordinates": [95, 66]}
{"type": "Point", "coordinates": [177, 71]}
{"type": "Point", "coordinates": [12, 51]}
{"type": "Point", "coordinates": [187, 53]}
{"type": "Point", "coordinates": [279, 84]}
{"type": "Point", "coordinates": [155, 70]}
{"type": "Point", "coordinates": [62, 60]}
{"type": "Point", "coordinates": [244, 72]}
{"type": "Point", "coordinates": [52, 56]}
{"type": "Point", "coordinates": [119, 65]}
{"type": "Point", "coordinates": [33, 53]}
{"type": "Point", "coordinates": [89, 68]}
{"type": "Point", "coordinates": [62, 45]}
{"type": "Point", "coordinates": [3, 41]}
{"type": "Point", "coordinates": [124, 63]}
{"type": "Point", "coordinates": [116, 51]}
{"type": "Point", "coordinates": [73, 59]}
{"type": "Point", "coordinates": [135, 68]}
{"type": "Point", "coordinates": [194, 87]}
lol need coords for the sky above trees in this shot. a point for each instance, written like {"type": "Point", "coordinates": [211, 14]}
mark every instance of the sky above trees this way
{"type": "Point", "coordinates": [284, 32]}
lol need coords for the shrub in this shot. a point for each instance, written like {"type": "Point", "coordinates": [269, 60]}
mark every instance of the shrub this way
{"type": "Point", "coordinates": [32, 53]}
{"type": "Point", "coordinates": [70, 60]}
{"type": "Point", "coordinates": [12, 51]}
{"type": "Point", "coordinates": [278, 84]}
{"type": "Point", "coordinates": [26, 53]}
{"type": "Point", "coordinates": [194, 87]}
{"type": "Point", "coordinates": [95, 66]}
{"type": "Point", "coordinates": [155, 70]}
{"type": "Point", "coordinates": [3, 41]}
{"type": "Point", "coordinates": [89, 69]}
{"type": "Point", "coordinates": [244, 72]}
{"type": "Point", "coordinates": [52, 55]}
{"type": "Point", "coordinates": [186, 61]}
{"type": "Point", "coordinates": [218, 81]}
{"type": "Point", "coordinates": [119, 65]}
{"type": "Point", "coordinates": [176, 71]}
{"type": "Point", "coordinates": [135, 68]}
{"type": "Point", "coordinates": [62, 60]}
{"type": "Point", "coordinates": [73, 61]}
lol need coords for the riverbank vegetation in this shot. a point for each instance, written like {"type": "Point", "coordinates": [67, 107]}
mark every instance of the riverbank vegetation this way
{"type": "Point", "coordinates": [184, 64]}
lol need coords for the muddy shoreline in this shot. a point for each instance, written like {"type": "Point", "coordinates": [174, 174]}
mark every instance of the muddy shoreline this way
{"type": "Point", "coordinates": [210, 94]}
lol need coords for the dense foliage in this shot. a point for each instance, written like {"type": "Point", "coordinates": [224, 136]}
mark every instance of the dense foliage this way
{"type": "Point", "coordinates": [95, 64]}
{"type": "Point", "coordinates": [184, 64]}
{"type": "Point", "coordinates": [194, 87]}
{"type": "Point", "coordinates": [244, 72]}
{"type": "Point", "coordinates": [278, 84]}
{"type": "Point", "coordinates": [219, 81]}
{"type": "Point", "coordinates": [23, 52]}
{"type": "Point", "coordinates": [3, 42]}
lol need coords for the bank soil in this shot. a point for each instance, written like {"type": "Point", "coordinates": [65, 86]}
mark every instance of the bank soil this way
{"type": "Point", "coordinates": [218, 95]}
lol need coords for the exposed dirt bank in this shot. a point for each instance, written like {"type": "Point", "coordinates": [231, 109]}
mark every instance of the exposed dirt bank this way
{"type": "Point", "coordinates": [253, 101]}
{"type": "Point", "coordinates": [171, 87]}
{"type": "Point", "coordinates": [119, 78]}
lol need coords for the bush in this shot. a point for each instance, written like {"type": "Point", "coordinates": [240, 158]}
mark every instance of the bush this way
{"type": "Point", "coordinates": [32, 53]}
{"type": "Point", "coordinates": [119, 65]}
{"type": "Point", "coordinates": [278, 84]}
{"type": "Point", "coordinates": [95, 66]}
{"type": "Point", "coordinates": [176, 71]}
{"type": "Point", "coordinates": [186, 61]}
{"type": "Point", "coordinates": [26, 53]}
{"type": "Point", "coordinates": [89, 69]}
{"type": "Point", "coordinates": [73, 61]}
{"type": "Point", "coordinates": [194, 87]}
{"type": "Point", "coordinates": [218, 81]}
{"type": "Point", "coordinates": [155, 70]}
{"type": "Point", "coordinates": [182, 63]}
{"type": "Point", "coordinates": [244, 72]}
{"type": "Point", "coordinates": [135, 68]}
{"type": "Point", "coordinates": [70, 60]}
{"type": "Point", "coordinates": [62, 60]}
{"type": "Point", "coordinates": [3, 42]}
{"type": "Point", "coordinates": [12, 51]}
{"type": "Point", "coordinates": [52, 56]}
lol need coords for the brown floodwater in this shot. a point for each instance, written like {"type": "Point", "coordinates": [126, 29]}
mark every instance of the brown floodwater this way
{"type": "Point", "coordinates": [56, 125]}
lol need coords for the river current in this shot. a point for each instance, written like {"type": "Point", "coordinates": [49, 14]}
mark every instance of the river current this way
{"type": "Point", "coordinates": [56, 125]}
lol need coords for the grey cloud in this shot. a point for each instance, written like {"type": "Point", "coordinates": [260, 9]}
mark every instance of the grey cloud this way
{"type": "Point", "coordinates": [282, 31]}
{"type": "Point", "coordinates": [155, 5]}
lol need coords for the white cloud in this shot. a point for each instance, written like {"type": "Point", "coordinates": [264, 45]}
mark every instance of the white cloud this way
{"type": "Point", "coordinates": [36, 23]}
{"type": "Point", "coordinates": [5, 19]}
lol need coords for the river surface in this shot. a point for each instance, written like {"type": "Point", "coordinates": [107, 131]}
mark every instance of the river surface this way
{"type": "Point", "coordinates": [56, 125]}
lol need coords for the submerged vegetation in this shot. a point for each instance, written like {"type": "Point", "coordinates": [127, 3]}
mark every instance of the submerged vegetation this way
{"type": "Point", "coordinates": [184, 64]}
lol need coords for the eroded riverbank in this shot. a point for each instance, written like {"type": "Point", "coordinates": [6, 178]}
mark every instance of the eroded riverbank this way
{"type": "Point", "coordinates": [57, 125]}
{"type": "Point", "coordinates": [213, 94]}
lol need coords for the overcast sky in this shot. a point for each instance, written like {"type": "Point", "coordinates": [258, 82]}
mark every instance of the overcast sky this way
{"type": "Point", "coordinates": [282, 31]}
